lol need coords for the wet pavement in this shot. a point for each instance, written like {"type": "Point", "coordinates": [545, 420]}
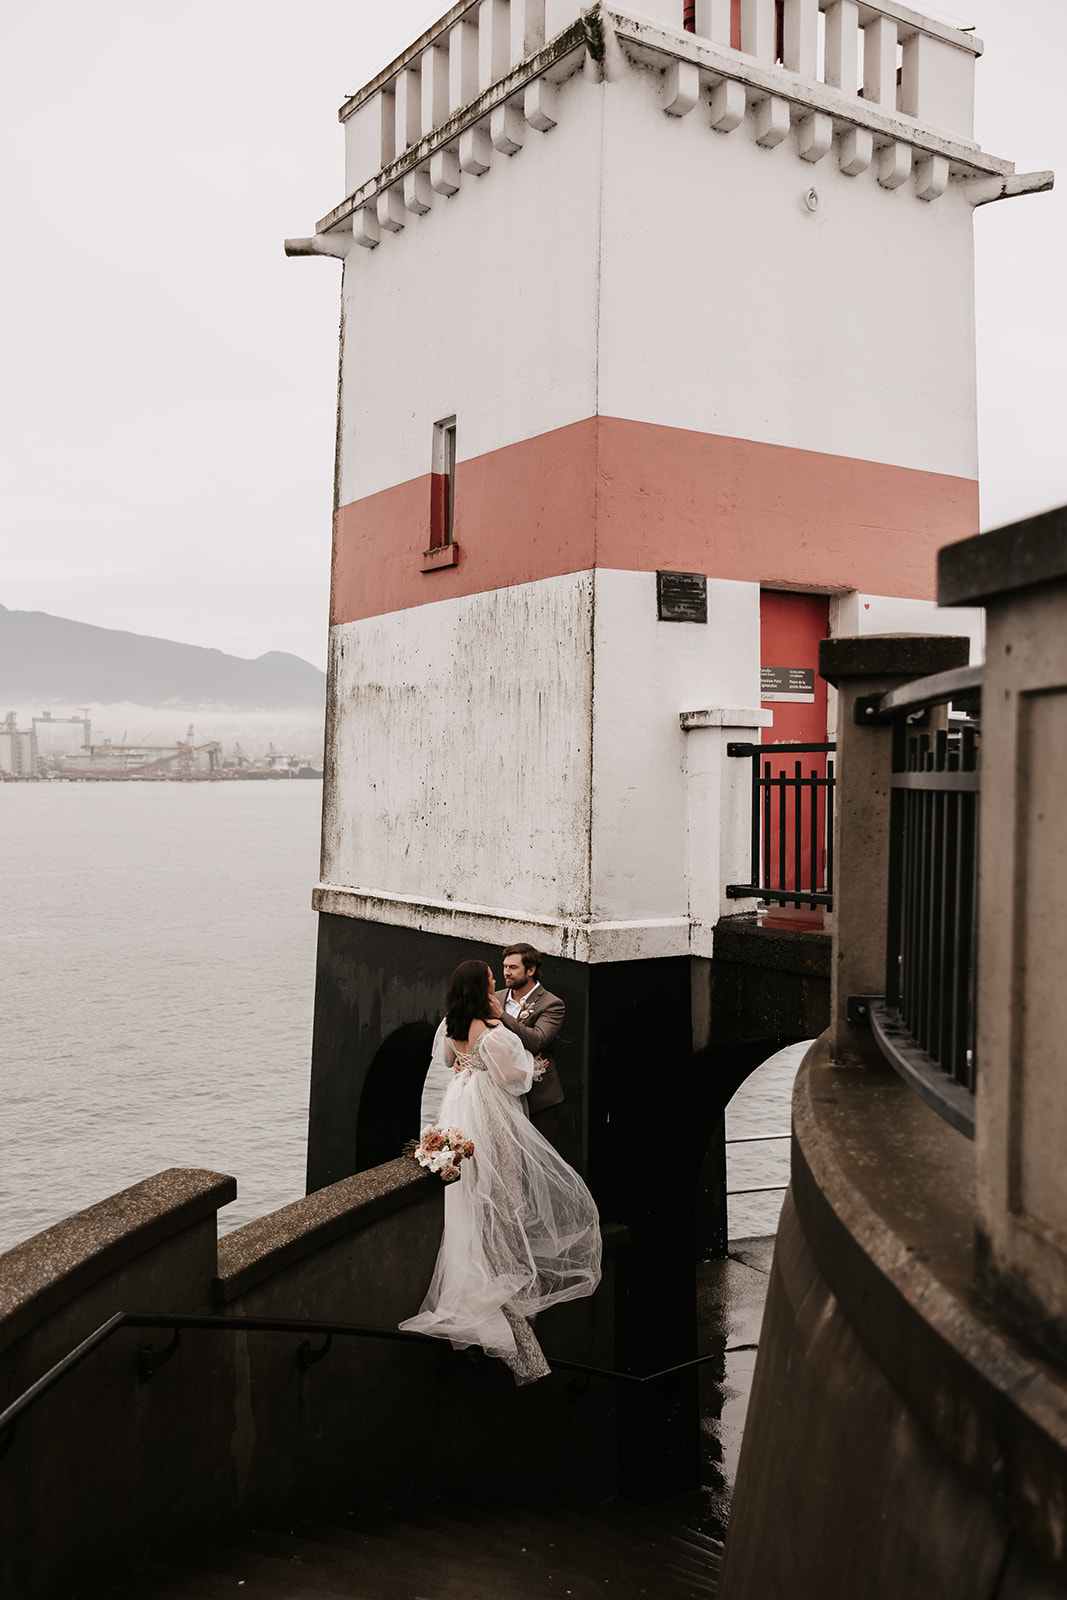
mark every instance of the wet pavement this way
{"type": "Point", "coordinates": [730, 1297]}
{"type": "Point", "coordinates": [731, 1293]}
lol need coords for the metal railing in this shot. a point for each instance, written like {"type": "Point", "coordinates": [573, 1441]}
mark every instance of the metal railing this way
{"type": "Point", "coordinates": [792, 825]}
{"type": "Point", "coordinates": [925, 1024]}
{"type": "Point", "coordinates": [150, 1360]}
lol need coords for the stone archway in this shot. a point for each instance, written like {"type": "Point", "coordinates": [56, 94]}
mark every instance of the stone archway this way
{"type": "Point", "coordinates": [392, 1090]}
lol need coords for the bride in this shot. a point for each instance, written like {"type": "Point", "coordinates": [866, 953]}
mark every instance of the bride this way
{"type": "Point", "coordinates": [521, 1229]}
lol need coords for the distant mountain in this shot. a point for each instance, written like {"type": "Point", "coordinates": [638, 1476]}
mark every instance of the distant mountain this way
{"type": "Point", "coordinates": [46, 658]}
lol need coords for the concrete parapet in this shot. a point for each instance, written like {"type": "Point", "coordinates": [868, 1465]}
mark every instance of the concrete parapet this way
{"type": "Point", "coordinates": [108, 1470]}
{"type": "Point", "coordinates": [1020, 574]}
{"type": "Point", "coordinates": [101, 1463]}
{"type": "Point", "coordinates": [901, 1438]}
{"type": "Point", "coordinates": [112, 1240]}
{"type": "Point", "coordinates": [861, 667]}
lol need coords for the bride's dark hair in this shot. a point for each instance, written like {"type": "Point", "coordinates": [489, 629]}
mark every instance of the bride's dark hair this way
{"type": "Point", "coordinates": [467, 999]}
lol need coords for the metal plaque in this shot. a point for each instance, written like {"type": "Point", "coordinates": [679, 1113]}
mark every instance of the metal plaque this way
{"type": "Point", "coordinates": [795, 684]}
{"type": "Point", "coordinates": [682, 596]}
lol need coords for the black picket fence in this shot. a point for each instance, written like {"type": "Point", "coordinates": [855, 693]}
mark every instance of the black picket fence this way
{"type": "Point", "coordinates": [792, 826]}
{"type": "Point", "coordinates": [925, 1025]}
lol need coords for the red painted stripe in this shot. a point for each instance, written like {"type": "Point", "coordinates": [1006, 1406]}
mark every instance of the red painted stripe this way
{"type": "Point", "coordinates": [631, 495]}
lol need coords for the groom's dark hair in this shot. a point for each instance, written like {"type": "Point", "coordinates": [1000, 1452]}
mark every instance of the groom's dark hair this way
{"type": "Point", "coordinates": [531, 958]}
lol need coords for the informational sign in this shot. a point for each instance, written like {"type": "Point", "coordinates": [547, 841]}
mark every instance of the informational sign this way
{"type": "Point", "coordinates": [682, 596]}
{"type": "Point", "coordinates": [796, 684]}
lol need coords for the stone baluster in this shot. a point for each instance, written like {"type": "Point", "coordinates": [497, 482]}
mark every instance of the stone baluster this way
{"type": "Point", "coordinates": [713, 20]}
{"type": "Point", "coordinates": [387, 108]}
{"type": "Point", "coordinates": [842, 69]}
{"type": "Point", "coordinates": [801, 37]}
{"type": "Point", "coordinates": [407, 97]}
{"type": "Point", "coordinates": [434, 66]}
{"type": "Point", "coordinates": [880, 62]}
{"type": "Point", "coordinates": [527, 28]}
{"type": "Point", "coordinates": [494, 42]}
{"type": "Point", "coordinates": [758, 28]}
{"type": "Point", "coordinates": [463, 64]}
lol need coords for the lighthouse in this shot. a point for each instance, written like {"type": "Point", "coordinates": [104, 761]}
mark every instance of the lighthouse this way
{"type": "Point", "coordinates": [657, 367]}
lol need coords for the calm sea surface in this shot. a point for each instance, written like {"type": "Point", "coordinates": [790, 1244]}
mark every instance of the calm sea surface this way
{"type": "Point", "coordinates": [157, 970]}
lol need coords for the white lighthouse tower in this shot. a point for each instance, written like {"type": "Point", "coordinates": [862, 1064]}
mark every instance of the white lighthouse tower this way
{"type": "Point", "coordinates": [657, 366]}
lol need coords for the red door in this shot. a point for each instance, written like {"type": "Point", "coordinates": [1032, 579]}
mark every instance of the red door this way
{"type": "Point", "coordinates": [791, 626]}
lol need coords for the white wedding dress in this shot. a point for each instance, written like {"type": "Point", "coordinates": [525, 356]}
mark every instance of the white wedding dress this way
{"type": "Point", "coordinates": [521, 1228]}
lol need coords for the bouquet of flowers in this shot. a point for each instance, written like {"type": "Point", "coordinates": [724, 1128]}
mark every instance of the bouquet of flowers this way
{"type": "Point", "coordinates": [441, 1149]}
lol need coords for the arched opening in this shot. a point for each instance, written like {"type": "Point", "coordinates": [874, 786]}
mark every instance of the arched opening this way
{"type": "Point", "coordinates": [389, 1105]}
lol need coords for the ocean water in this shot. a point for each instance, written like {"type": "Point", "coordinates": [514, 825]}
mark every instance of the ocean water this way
{"type": "Point", "coordinates": [157, 971]}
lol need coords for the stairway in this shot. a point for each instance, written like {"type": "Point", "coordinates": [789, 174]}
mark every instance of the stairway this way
{"type": "Point", "coordinates": [450, 1551]}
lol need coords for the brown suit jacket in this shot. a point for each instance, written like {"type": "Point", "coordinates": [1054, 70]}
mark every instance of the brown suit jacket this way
{"type": "Point", "coordinates": [537, 1025]}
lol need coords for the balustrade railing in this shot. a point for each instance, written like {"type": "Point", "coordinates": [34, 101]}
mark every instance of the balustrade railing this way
{"type": "Point", "coordinates": [873, 52]}
{"type": "Point", "coordinates": [792, 823]}
{"type": "Point", "coordinates": [925, 1024]}
{"type": "Point", "coordinates": [883, 53]}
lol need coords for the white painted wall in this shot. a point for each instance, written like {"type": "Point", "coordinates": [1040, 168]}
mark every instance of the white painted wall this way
{"type": "Point", "coordinates": [646, 673]}
{"type": "Point", "coordinates": [879, 613]}
{"type": "Point", "coordinates": [460, 752]}
{"type": "Point", "coordinates": [483, 307]}
{"type": "Point", "coordinates": [727, 305]}
{"type": "Point", "coordinates": [472, 761]}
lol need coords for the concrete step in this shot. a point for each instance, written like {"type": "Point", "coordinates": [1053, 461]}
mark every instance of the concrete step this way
{"type": "Point", "coordinates": [450, 1551]}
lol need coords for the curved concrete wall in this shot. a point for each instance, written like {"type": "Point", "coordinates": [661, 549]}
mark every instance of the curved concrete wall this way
{"type": "Point", "coordinates": [901, 1438]}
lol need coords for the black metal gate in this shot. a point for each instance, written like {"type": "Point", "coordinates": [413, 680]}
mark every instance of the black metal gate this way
{"type": "Point", "coordinates": [792, 825]}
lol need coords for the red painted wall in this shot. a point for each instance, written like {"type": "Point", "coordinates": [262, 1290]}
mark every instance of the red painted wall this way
{"type": "Point", "coordinates": [637, 497]}
{"type": "Point", "coordinates": [791, 626]}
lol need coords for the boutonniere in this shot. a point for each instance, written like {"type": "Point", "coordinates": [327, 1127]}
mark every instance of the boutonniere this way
{"type": "Point", "coordinates": [526, 1013]}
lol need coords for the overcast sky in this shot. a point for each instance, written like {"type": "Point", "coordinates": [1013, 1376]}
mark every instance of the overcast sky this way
{"type": "Point", "coordinates": [167, 376]}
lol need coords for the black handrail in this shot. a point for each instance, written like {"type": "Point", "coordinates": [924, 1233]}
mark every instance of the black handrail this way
{"type": "Point", "coordinates": [768, 864]}
{"type": "Point", "coordinates": [925, 1023]}
{"type": "Point", "coordinates": [150, 1360]}
{"type": "Point", "coordinates": [960, 686]}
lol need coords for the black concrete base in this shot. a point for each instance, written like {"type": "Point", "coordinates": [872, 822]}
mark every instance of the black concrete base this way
{"type": "Point", "coordinates": [765, 985]}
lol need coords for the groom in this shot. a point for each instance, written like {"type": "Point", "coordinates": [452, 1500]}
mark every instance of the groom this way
{"type": "Point", "coordinates": [536, 1016]}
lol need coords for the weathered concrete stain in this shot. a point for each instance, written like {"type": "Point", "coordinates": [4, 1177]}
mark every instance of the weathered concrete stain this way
{"type": "Point", "coordinates": [462, 751]}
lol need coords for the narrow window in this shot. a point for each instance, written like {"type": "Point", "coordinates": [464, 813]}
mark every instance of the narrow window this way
{"type": "Point", "coordinates": [689, 16]}
{"type": "Point", "coordinates": [443, 483]}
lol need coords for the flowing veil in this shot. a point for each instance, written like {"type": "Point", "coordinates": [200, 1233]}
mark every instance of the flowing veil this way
{"type": "Point", "coordinates": [521, 1229]}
